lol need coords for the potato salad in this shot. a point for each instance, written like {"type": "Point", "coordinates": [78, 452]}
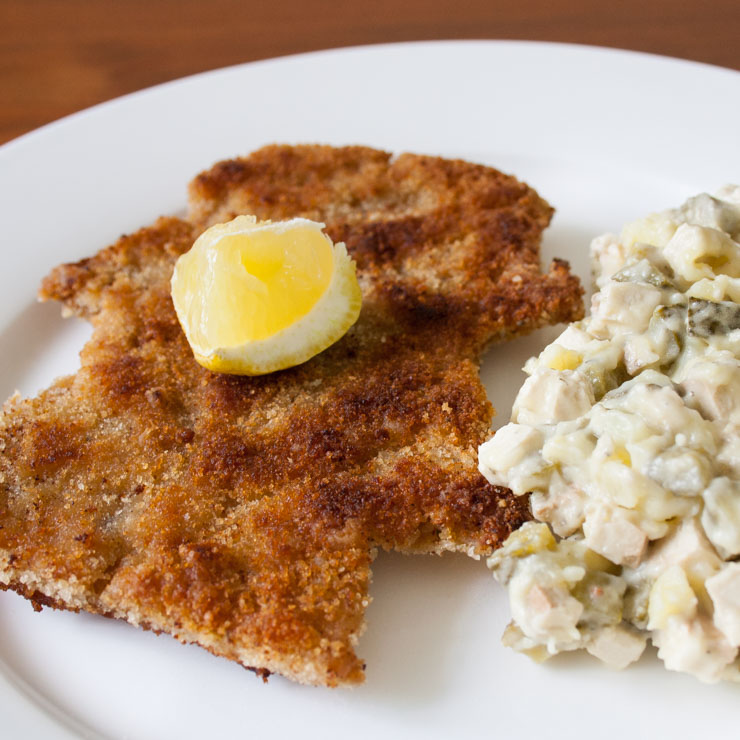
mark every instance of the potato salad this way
{"type": "Point", "coordinates": [627, 435]}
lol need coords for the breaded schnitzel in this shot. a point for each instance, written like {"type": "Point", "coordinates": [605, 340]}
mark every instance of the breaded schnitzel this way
{"type": "Point", "coordinates": [242, 513]}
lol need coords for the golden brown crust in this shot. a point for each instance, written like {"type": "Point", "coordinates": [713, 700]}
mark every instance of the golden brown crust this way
{"type": "Point", "coordinates": [241, 513]}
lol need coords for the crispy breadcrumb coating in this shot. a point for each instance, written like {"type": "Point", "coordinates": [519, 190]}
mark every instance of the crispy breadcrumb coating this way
{"type": "Point", "coordinates": [242, 513]}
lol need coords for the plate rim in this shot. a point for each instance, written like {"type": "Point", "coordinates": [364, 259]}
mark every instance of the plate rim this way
{"type": "Point", "coordinates": [28, 139]}
{"type": "Point", "coordinates": [297, 57]}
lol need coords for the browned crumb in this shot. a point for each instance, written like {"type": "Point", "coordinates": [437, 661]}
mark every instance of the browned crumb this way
{"type": "Point", "coordinates": [242, 513]}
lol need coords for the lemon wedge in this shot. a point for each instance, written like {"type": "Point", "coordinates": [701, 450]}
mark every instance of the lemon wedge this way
{"type": "Point", "coordinates": [253, 297]}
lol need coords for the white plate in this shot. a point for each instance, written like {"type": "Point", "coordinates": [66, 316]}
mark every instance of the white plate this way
{"type": "Point", "coordinates": [604, 135]}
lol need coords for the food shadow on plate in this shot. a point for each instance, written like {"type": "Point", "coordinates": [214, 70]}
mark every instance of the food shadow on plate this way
{"type": "Point", "coordinates": [37, 346]}
{"type": "Point", "coordinates": [415, 624]}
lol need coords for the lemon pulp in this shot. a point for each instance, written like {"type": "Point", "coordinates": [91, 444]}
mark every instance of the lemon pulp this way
{"type": "Point", "coordinates": [255, 297]}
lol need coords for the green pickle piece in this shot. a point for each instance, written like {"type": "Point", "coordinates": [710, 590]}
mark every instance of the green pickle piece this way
{"type": "Point", "coordinates": [711, 318]}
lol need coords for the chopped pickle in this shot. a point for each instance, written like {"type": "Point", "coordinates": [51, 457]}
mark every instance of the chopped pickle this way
{"type": "Point", "coordinates": [636, 482]}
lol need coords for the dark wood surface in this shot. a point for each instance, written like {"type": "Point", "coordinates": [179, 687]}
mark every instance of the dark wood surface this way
{"type": "Point", "coordinates": [59, 56]}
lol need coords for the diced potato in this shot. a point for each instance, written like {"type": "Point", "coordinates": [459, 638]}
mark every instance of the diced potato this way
{"type": "Point", "coordinates": [724, 588]}
{"type": "Point", "coordinates": [569, 449]}
{"type": "Point", "coordinates": [655, 229]}
{"type": "Point", "coordinates": [558, 358]}
{"type": "Point", "coordinates": [639, 353]}
{"type": "Point", "coordinates": [617, 645]}
{"type": "Point", "coordinates": [627, 306]}
{"type": "Point", "coordinates": [561, 507]}
{"type": "Point", "coordinates": [637, 466]}
{"type": "Point", "coordinates": [712, 386]}
{"type": "Point", "coordinates": [721, 516]}
{"type": "Point", "coordinates": [608, 255]}
{"type": "Point", "coordinates": [695, 646]}
{"type": "Point", "coordinates": [548, 397]}
{"type": "Point", "coordinates": [697, 252]}
{"type": "Point", "coordinates": [514, 638]}
{"type": "Point", "coordinates": [508, 447]}
{"type": "Point", "coordinates": [615, 537]}
{"type": "Point", "coordinates": [574, 338]}
{"type": "Point", "coordinates": [720, 212]}
{"type": "Point", "coordinates": [530, 538]}
{"type": "Point", "coordinates": [546, 613]}
{"type": "Point", "coordinates": [670, 596]}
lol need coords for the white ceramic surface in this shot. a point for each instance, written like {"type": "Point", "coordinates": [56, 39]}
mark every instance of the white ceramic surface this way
{"type": "Point", "coordinates": [604, 135]}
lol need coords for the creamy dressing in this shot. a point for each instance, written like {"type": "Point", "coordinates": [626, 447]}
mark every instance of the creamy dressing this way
{"type": "Point", "coordinates": [627, 435]}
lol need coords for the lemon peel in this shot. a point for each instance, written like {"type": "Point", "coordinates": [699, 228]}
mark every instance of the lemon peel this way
{"type": "Point", "coordinates": [255, 297]}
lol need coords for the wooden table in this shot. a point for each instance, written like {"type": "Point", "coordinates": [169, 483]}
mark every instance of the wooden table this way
{"type": "Point", "coordinates": [59, 56]}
